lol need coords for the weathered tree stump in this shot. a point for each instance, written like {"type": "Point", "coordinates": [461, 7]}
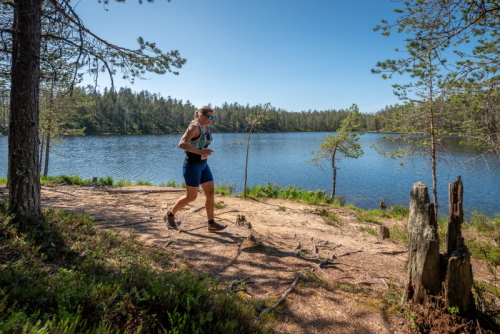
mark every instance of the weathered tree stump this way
{"type": "Point", "coordinates": [423, 258]}
{"type": "Point", "coordinates": [242, 222]}
{"type": "Point", "coordinates": [424, 269]}
{"type": "Point", "coordinates": [459, 279]}
{"type": "Point", "coordinates": [383, 232]}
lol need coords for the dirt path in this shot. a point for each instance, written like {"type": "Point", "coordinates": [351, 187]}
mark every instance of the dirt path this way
{"type": "Point", "coordinates": [347, 297]}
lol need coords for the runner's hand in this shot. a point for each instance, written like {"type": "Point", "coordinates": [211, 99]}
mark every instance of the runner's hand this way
{"type": "Point", "coordinates": [206, 151]}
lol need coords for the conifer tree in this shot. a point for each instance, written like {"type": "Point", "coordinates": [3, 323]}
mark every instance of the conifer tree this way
{"type": "Point", "coordinates": [445, 28]}
{"type": "Point", "coordinates": [340, 146]}
{"type": "Point", "coordinates": [23, 35]}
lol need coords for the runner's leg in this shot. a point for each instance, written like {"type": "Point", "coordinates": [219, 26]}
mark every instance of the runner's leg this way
{"type": "Point", "coordinates": [208, 189]}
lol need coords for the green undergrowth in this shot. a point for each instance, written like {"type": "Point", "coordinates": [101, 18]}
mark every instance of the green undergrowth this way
{"type": "Point", "coordinates": [63, 275]}
{"type": "Point", "coordinates": [330, 218]}
{"type": "Point", "coordinates": [319, 197]}
{"type": "Point", "coordinates": [367, 219]}
{"type": "Point", "coordinates": [223, 188]}
{"type": "Point", "coordinates": [368, 230]}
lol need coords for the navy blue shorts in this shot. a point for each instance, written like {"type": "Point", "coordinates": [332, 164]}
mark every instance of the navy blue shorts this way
{"type": "Point", "coordinates": [196, 174]}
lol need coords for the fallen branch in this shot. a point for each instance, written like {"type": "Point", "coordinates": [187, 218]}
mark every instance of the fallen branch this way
{"type": "Point", "coordinates": [282, 299]}
{"type": "Point", "coordinates": [317, 265]}
{"type": "Point", "coordinates": [336, 247]}
{"type": "Point", "coordinates": [199, 209]}
{"type": "Point", "coordinates": [230, 288]}
{"type": "Point", "coordinates": [349, 253]}
{"type": "Point", "coordinates": [334, 267]}
{"type": "Point", "coordinates": [324, 263]}
{"type": "Point", "coordinates": [127, 224]}
{"type": "Point", "coordinates": [392, 252]}
{"type": "Point", "coordinates": [124, 191]}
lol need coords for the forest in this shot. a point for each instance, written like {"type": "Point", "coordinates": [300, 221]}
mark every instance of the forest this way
{"type": "Point", "coordinates": [125, 111]}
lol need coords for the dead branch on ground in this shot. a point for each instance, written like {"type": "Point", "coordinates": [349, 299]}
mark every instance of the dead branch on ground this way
{"type": "Point", "coordinates": [125, 191]}
{"type": "Point", "coordinates": [282, 299]}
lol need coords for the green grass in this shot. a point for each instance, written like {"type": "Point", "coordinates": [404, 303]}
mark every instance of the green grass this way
{"type": "Point", "coordinates": [367, 219]}
{"type": "Point", "coordinates": [331, 218]}
{"type": "Point", "coordinates": [123, 183]}
{"type": "Point", "coordinates": [219, 205]}
{"type": "Point", "coordinates": [368, 230]}
{"type": "Point", "coordinates": [106, 181]}
{"type": "Point", "coordinates": [171, 183]}
{"type": "Point", "coordinates": [399, 234]}
{"type": "Point", "coordinates": [144, 183]}
{"type": "Point", "coordinates": [225, 188]}
{"type": "Point", "coordinates": [319, 197]}
{"type": "Point", "coordinates": [3, 180]}
{"type": "Point", "coordinates": [63, 275]}
{"type": "Point", "coordinates": [51, 181]}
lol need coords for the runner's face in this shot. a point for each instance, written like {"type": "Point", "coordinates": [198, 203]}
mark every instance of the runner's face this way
{"type": "Point", "coordinates": [208, 117]}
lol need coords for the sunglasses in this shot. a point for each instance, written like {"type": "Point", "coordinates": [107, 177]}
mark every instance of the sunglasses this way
{"type": "Point", "coordinates": [210, 117]}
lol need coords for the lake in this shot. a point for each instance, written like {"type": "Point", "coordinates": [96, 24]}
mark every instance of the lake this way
{"type": "Point", "coordinates": [280, 158]}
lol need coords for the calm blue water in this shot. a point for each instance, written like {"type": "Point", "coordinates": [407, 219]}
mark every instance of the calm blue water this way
{"type": "Point", "coordinates": [280, 158]}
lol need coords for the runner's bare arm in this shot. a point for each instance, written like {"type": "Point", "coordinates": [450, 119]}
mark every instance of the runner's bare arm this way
{"type": "Point", "coordinates": [192, 131]}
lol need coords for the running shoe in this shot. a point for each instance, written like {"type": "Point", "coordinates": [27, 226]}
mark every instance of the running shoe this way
{"type": "Point", "coordinates": [215, 227]}
{"type": "Point", "coordinates": [170, 220]}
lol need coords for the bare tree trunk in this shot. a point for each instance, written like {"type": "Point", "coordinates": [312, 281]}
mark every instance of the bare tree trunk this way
{"type": "Point", "coordinates": [42, 149]}
{"type": "Point", "coordinates": [433, 146]}
{"type": "Point", "coordinates": [47, 150]}
{"type": "Point", "coordinates": [423, 258]}
{"type": "Point", "coordinates": [246, 164]}
{"type": "Point", "coordinates": [24, 167]}
{"type": "Point", "coordinates": [49, 130]}
{"type": "Point", "coordinates": [334, 176]}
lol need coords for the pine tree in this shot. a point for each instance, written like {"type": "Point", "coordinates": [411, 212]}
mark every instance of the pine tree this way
{"type": "Point", "coordinates": [340, 146]}
{"type": "Point", "coordinates": [22, 28]}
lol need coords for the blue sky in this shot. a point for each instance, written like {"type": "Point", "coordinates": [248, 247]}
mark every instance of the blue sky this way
{"type": "Point", "coordinates": [298, 55]}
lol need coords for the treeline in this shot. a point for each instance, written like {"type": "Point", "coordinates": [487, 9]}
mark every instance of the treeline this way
{"type": "Point", "coordinates": [125, 111]}
{"type": "Point", "coordinates": [128, 112]}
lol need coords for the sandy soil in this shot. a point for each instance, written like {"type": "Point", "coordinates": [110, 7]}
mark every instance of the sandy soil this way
{"type": "Point", "coordinates": [343, 298]}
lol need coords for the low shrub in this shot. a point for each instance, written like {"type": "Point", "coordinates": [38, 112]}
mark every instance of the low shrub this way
{"type": "Point", "coordinates": [66, 276]}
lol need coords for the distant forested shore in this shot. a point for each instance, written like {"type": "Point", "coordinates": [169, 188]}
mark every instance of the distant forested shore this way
{"type": "Point", "coordinates": [124, 111]}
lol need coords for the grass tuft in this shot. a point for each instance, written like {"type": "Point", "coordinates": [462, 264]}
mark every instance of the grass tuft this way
{"type": "Point", "coordinates": [143, 183]}
{"type": "Point", "coordinates": [123, 183]}
{"type": "Point", "coordinates": [367, 219]}
{"type": "Point", "coordinates": [368, 230]}
{"type": "Point", "coordinates": [319, 197]}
